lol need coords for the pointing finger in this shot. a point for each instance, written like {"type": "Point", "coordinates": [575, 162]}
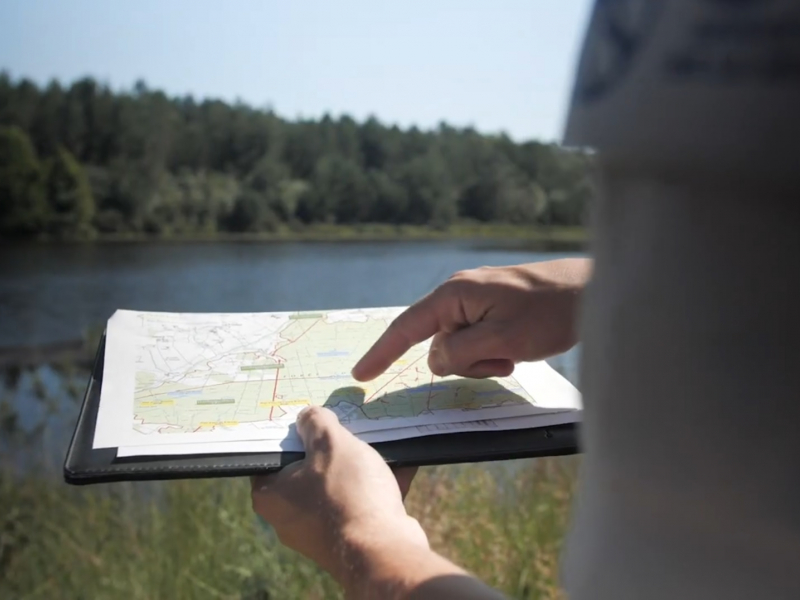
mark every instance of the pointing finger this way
{"type": "Point", "coordinates": [416, 324]}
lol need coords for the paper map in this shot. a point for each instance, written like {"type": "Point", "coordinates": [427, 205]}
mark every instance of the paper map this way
{"type": "Point", "coordinates": [237, 381]}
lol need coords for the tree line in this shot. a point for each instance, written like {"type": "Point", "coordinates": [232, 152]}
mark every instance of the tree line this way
{"type": "Point", "coordinates": [82, 160]}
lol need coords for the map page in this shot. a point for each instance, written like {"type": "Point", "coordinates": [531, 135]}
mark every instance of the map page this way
{"type": "Point", "coordinates": [187, 379]}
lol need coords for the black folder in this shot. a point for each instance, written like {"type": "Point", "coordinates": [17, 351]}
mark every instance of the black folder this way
{"type": "Point", "coordinates": [85, 465]}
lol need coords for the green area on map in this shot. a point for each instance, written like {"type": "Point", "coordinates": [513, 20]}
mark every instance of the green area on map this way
{"type": "Point", "coordinates": [216, 401]}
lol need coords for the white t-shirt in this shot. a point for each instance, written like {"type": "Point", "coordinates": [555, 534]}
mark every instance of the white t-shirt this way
{"type": "Point", "coordinates": [691, 327]}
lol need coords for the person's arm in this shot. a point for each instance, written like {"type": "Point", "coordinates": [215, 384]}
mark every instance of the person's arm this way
{"type": "Point", "coordinates": [342, 506]}
{"type": "Point", "coordinates": [383, 566]}
{"type": "Point", "coordinates": [484, 321]}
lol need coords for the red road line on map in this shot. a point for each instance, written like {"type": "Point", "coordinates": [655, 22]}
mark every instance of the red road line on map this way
{"type": "Point", "coordinates": [275, 387]}
{"type": "Point", "coordinates": [275, 352]}
{"type": "Point", "coordinates": [275, 391]}
{"type": "Point", "coordinates": [277, 371]}
{"type": "Point", "coordinates": [393, 378]}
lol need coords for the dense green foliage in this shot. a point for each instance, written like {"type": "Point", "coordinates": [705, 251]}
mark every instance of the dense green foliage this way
{"type": "Point", "coordinates": [83, 159]}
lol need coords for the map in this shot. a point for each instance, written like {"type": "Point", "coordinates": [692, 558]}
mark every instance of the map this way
{"type": "Point", "coordinates": [244, 376]}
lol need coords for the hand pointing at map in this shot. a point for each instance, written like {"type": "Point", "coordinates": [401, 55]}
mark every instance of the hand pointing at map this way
{"type": "Point", "coordinates": [486, 320]}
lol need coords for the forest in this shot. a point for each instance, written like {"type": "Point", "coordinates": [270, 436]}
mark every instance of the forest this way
{"type": "Point", "coordinates": [82, 161]}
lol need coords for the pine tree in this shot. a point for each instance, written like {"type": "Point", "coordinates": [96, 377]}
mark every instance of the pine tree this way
{"type": "Point", "coordinates": [69, 197]}
{"type": "Point", "coordinates": [22, 207]}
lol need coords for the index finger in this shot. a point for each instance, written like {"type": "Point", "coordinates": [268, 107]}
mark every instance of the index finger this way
{"type": "Point", "coordinates": [416, 324]}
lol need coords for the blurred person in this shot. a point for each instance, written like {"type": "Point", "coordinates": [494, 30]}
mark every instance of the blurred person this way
{"type": "Point", "coordinates": [687, 315]}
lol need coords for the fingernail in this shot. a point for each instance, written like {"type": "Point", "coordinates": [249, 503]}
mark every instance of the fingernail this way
{"type": "Point", "coordinates": [436, 363]}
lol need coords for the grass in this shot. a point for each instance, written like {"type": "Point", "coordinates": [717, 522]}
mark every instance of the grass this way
{"type": "Point", "coordinates": [200, 539]}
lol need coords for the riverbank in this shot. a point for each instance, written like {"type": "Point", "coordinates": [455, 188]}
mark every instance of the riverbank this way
{"type": "Point", "coordinates": [77, 353]}
{"type": "Point", "coordinates": [367, 232]}
{"type": "Point", "coordinates": [73, 352]}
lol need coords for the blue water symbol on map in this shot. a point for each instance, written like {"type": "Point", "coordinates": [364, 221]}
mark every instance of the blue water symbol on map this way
{"type": "Point", "coordinates": [332, 353]}
{"type": "Point", "coordinates": [187, 393]}
{"type": "Point", "coordinates": [440, 387]}
{"type": "Point", "coordinates": [335, 376]}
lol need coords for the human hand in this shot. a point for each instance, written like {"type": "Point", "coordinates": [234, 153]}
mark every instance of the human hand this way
{"type": "Point", "coordinates": [486, 320]}
{"type": "Point", "coordinates": [340, 501]}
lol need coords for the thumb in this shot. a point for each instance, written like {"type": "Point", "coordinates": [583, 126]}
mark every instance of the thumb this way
{"type": "Point", "coordinates": [319, 428]}
{"type": "Point", "coordinates": [485, 349]}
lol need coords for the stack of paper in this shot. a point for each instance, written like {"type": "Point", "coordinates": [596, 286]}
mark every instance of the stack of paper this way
{"type": "Point", "coordinates": [225, 383]}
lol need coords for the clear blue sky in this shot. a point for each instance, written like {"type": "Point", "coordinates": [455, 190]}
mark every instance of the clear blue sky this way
{"type": "Point", "coordinates": [494, 64]}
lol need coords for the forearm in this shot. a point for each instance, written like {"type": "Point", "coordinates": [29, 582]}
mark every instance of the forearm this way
{"type": "Point", "coordinates": [551, 313]}
{"type": "Point", "coordinates": [394, 568]}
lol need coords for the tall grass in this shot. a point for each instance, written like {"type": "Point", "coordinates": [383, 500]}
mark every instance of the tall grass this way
{"type": "Point", "coordinates": [199, 539]}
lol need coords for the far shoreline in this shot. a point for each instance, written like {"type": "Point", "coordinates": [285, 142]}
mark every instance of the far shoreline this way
{"type": "Point", "coordinates": [515, 235]}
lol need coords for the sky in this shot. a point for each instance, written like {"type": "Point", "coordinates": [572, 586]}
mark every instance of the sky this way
{"type": "Point", "coordinates": [501, 65]}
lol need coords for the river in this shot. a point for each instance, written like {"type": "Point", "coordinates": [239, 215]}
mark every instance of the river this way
{"type": "Point", "coordinates": [51, 293]}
